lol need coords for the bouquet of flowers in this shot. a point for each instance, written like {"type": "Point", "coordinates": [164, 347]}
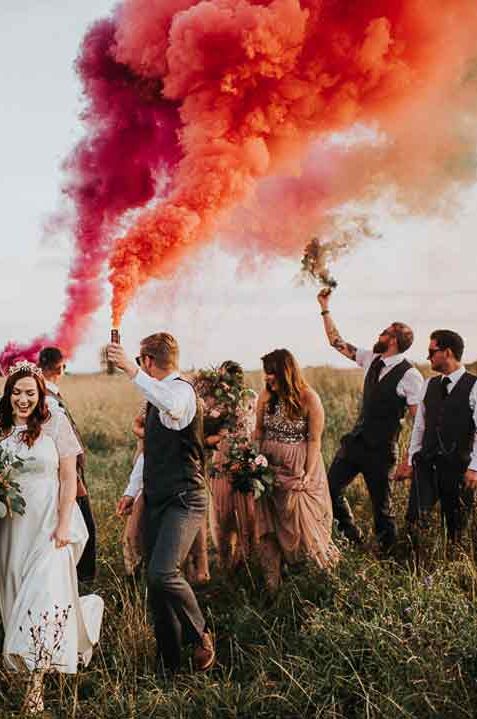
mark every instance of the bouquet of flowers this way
{"type": "Point", "coordinates": [339, 235]}
{"type": "Point", "coordinates": [249, 470]}
{"type": "Point", "coordinates": [11, 500]}
{"type": "Point", "coordinates": [221, 393]}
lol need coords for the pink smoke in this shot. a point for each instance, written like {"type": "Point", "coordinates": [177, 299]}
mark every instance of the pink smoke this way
{"type": "Point", "coordinates": [130, 149]}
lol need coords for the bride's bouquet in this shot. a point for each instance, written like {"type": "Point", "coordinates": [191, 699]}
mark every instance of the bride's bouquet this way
{"type": "Point", "coordinates": [11, 500]}
{"type": "Point", "coordinates": [249, 470]}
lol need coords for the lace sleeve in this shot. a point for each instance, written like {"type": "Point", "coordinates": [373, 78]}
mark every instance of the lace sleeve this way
{"type": "Point", "coordinates": [60, 430]}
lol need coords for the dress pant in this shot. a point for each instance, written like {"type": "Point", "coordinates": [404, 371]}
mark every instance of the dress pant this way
{"type": "Point", "coordinates": [440, 479]}
{"type": "Point", "coordinates": [170, 530]}
{"type": "Point", "coordinates": [86, 567]}
{"type": "Point", "coordinates": [376, 465]}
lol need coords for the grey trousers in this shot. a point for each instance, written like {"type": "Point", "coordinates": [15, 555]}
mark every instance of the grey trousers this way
{"type": "Point", "coordinates": [170, 530]}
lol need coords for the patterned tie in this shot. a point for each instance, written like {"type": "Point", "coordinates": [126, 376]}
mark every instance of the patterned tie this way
{"type": "Point", "coordinates": [445, 382]}
{"type": "Point", "coordinates": [375, 370]}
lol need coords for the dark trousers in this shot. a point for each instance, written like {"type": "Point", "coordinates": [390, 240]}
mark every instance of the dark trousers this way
{"type": "Point", "coordinates": [440, 479]}
{"type": "Point", "coordinates": [375, 464]}
{"type": "Point", "coordinates": [170, 530]}
{"type": "Point", "coordinates": [86, 567]}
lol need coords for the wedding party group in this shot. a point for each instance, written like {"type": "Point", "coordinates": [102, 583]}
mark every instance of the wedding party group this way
{"type": "Point", "coordinates": [216, 463]}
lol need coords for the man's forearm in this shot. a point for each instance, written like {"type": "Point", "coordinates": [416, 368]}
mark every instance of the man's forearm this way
{"type": "Point", "coordinates": [417, 435]}
{"type": "Point", "coordinates": [335, 338]}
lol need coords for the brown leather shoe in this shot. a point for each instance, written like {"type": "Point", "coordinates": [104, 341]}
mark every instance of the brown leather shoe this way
{"type": "Point", "coordinates": [204, 653]}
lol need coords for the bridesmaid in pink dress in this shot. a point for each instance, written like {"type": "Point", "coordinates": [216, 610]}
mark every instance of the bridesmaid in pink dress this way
{"type": "Point", "coordinates": [296, 520]}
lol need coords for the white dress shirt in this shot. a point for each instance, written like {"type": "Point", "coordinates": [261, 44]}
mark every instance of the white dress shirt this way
{"type": "Point", "coordinates": [176, 402]}
{"type": "Point", "coordinates": [409, 387]}
{"type": "Point", "coordinates": [53, 402]}
{"type": "Point", "coordinates": [175, 399]}
{"type": "Point", "coordinates": [420, 421]}
{"type": "Point", "coordinates": [136, 482]}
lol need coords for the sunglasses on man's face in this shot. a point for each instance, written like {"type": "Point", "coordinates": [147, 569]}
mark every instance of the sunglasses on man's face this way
{"type": "Point", "coordinates": [140, 358]}
{"type": "Point", "coordinates": [433, 350]}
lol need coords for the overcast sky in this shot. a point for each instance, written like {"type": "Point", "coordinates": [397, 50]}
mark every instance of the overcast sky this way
{"type": "Point", "coordinates": [421, 272]}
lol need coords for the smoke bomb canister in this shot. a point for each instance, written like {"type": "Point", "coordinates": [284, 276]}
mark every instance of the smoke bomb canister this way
{"type": "Point", "coordinates": [115, 340]}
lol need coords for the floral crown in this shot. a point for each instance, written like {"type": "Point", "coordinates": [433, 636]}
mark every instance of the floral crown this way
{"type": "Point", "coordinates": [25, 366]}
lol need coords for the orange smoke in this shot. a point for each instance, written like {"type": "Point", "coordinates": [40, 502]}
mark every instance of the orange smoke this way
{"type": "Point", "coordinates": [257, 83]}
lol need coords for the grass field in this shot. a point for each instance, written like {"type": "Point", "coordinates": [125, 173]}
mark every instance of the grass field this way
{"type": "Point", "coordinates": [374, 639]}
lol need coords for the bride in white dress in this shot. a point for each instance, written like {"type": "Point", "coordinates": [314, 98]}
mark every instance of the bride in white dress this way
{"type": "Point", "coordinates": [48, 627]}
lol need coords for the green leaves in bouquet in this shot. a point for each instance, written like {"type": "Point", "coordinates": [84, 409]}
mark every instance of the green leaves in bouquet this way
{"type": "Point", "coordinates": [11, 500]}
{"type": "Point", "coordinates": [249, 470]}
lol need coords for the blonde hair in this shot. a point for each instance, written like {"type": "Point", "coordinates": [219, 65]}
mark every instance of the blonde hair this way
{"type": "Point", "coordinates": [163, 348]}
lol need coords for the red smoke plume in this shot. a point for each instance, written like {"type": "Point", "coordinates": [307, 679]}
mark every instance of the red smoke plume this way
{"type": "Point", "coordinates": [256, 82]}
{"type": "Point", "coordinates": [130, 146]}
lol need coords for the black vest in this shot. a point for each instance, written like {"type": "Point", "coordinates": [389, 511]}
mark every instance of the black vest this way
{"type": "Point", "coordinates": [382, 410]}
{"type": "Point", "coordinates": [173, 459]}
{"type": "Point", "coordinates": [449, 429]}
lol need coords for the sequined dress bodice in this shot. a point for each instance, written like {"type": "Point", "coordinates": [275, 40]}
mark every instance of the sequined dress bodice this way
{"type": "Point", "coordinates": [280, 428]}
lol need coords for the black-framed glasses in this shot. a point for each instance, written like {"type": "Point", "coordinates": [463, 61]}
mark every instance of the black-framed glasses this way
{"type": "Point", "coordinates": [139, 359]}
{"type": "Point", "coordinates": [433, 351]}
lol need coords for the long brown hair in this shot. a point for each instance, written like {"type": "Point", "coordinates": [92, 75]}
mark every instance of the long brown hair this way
{"type": "Point", "coordinates": [290, 380]}
{"type": "Point", "coordinates": [38, 417]}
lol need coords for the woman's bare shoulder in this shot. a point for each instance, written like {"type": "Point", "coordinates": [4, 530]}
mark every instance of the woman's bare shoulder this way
{"type": "Point", "coordinates": [310, 398]}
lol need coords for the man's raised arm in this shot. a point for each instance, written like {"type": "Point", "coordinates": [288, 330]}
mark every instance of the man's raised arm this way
{"type": "Point", "coordinates": [334, 337]}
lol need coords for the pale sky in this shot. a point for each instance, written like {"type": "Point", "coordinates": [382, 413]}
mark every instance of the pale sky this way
{"type": "Point", "coordinates": [420, 272]}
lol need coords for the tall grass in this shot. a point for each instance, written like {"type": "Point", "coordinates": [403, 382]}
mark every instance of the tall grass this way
{"type": "Point", "coordinates": [374, 639]}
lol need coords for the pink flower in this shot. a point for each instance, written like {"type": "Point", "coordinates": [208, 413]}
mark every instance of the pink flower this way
{"type": "Point", "coordinates": [261, 461]}
{"type": "Point", "coordinates": [214, 413]}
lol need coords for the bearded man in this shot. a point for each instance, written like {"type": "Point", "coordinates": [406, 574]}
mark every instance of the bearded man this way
{"type": "Point", "coordinates": [391, 386]}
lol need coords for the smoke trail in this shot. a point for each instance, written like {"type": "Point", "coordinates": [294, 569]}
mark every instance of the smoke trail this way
{"type": "Point", "coordinates": [251, 86]}
{"type": "Point", "coordinates": [130, 146]}
{"type": "Point", "coordinates": [131, 140]}
{"type": "Point", "coordinates": [258, 81]}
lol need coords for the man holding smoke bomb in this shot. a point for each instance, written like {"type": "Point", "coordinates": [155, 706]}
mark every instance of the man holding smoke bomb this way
{"type": "Point", "coordinates": [391, 385]}
{"type": "Point", "coordinates": [174, 495]}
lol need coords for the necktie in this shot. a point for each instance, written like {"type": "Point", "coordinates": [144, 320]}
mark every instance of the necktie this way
{"type": "Point", "coordinates": [445, 382]}
{"type": "Point", "coordinates": [375, 370]}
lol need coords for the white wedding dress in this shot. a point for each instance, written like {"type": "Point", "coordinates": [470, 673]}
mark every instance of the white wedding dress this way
{"type": "Point", "coordinates": [47, 625]}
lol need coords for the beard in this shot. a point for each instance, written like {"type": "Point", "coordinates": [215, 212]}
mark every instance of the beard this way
{"type": "Point", "coordinates": [380, 347]}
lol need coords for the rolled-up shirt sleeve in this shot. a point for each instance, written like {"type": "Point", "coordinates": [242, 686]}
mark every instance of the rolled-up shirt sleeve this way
{"type": "Point", "coordinates": [175, 397]}
{"type": "Point", "coordinates": [364, 357]}
{"type": "Point", "coordinates": [410, 387]}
